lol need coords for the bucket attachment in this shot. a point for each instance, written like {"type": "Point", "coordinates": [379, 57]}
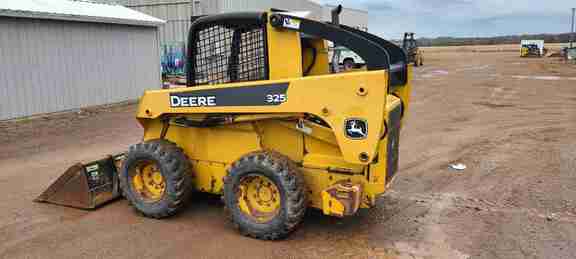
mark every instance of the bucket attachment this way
{"type": "Point", "coordinates": [86, 185]}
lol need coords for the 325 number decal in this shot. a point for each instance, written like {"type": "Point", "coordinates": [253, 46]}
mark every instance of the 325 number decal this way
{"type": "Point", "coordinates": [276, 98]}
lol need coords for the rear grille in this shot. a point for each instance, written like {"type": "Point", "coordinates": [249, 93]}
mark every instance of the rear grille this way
{"type": "Point", "coordinates": [392, 144]}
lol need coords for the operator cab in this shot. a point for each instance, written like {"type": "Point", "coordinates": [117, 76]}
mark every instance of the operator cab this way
{"type": "Point", "coordinates": [240, 47]}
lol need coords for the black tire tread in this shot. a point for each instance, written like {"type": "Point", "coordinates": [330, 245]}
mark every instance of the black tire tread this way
{"type": "Point", "coordinates": [296, 195]}
{"type": "Point", "coordinates": [178, 172]}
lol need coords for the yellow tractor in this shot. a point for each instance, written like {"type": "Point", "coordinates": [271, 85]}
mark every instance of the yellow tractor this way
{"type": "Point", "coordinates": [413, 52]}
{"type": "Point", "coordinates": [263, 123]}
{"type": "Point", "coordinates": [530, 50]}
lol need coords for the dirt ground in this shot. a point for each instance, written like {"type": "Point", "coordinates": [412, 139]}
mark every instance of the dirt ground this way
{"type": "Point", "coordinates": [511, 121]}
{"type": "Point", "coordinates": [493, 48]}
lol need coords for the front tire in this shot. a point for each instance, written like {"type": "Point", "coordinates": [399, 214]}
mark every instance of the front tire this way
{"type": "Point", "coordinates": [156, 178]}
{"type": "Point", "coordinates": [265, 195]}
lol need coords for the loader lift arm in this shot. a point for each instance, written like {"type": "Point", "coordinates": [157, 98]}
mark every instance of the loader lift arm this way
{"type": "Point", "coordinates": [378, 53]}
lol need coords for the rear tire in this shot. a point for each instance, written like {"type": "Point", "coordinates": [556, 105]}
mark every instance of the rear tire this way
{"type": "Point", "coordinates": [172, 177]}
{"type": "Point", "coordinates": [348, 64]}
{"type": "Point", "coordinates": [270, 168]}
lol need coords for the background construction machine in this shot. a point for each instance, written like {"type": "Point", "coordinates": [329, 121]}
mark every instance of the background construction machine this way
{"type": "Point", "coordinates": [264, 123]}
{"type": "Point", "coordinates": [532, 48]}
{"type": "Point", "coordinates": [410, 45]}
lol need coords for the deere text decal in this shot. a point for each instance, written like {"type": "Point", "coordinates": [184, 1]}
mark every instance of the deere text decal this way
{"type": "Point", "coordinates": [258, 95]}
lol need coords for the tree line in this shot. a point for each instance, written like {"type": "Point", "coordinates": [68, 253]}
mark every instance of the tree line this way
{"type": "Point", "coordinates": [510, 39]}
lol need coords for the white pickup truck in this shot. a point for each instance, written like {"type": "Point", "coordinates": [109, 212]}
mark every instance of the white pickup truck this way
{"type": "Point", "coordinates": [346, 58]}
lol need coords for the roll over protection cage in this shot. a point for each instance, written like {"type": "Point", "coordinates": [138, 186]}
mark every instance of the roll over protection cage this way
{"type": "Point", "coordinates": [234, 21]}
{"type": "Point", "coordinates": [377, 53]}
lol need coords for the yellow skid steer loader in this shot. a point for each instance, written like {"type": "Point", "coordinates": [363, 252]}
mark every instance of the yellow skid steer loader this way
{"type": "Point", "coordinates": [264, 123]}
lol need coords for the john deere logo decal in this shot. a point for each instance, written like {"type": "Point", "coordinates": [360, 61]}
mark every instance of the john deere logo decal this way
{"type": "Point", "coordinates": [291, 23]}
{"type": "Point", "coordinates": [356, 128]}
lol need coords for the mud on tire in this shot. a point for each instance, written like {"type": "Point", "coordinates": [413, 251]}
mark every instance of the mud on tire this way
{"type": "Point", "coordinates": [175, 169]}
{"type": "Point", "coordinates": [283, 173]}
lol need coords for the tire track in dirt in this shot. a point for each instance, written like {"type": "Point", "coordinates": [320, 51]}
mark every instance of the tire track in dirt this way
{"type": "Point", "coordinates": [457, 201]}
{"type": "Point", "coordinates": [435, 242]}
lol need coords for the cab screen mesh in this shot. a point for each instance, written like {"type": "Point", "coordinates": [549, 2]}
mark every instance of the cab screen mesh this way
{"type": "Point", "coordinates": [226, 54]}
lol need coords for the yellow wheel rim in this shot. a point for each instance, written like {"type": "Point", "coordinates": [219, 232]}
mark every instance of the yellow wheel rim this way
{"type": "Point", "coordinates": [147, 181]}
{"type": "Point", "coordinates": [258, 198]}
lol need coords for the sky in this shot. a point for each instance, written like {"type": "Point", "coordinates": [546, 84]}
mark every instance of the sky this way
{"type": "Point", "coordinates": [463, 18]}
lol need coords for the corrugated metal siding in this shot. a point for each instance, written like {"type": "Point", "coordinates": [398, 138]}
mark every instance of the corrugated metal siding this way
{"type": "Point", "coordinates": [137, 2]}
{"type": "Point", "coordinates": [48, 66]}
{"type": "Point", "coordinates": [176, 13]}
{"type": "Point", "coordinates": [177, 18]}
{"type": "Point", "coordinates": [351, 17]}
{"type": "Point", "coordinates": [263, 5]}
{"type": "Point", "coordinates": [207, 7]}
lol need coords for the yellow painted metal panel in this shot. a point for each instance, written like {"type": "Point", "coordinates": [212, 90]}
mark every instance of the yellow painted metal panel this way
{"type": "Point", "coordinates": [217, 144]}
{"type": "Point", "coordinates": [331, 206]}
{"type": "Point", "coordinates": [321, 65]}
{"type": "Point", "coordinates": [285, 53]}
{"type": "Point", "coordinates": [377, 181]}
{"type": "Point", "coordinates": [333, 98]}
{"type": "Point", "coordinates": [209, 176]}
{"type": "Point", "coordinates": [404, 94]}
{"type": "Point", "coordinates": [283, 139]}
{"type": "Point", "coordinates": [331, 163]}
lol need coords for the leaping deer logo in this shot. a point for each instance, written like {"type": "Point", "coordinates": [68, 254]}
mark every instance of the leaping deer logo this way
{"type": "Point", "coordinates": [356, 129]}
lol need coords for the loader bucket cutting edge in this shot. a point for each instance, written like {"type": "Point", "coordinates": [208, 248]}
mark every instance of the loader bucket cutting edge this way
{"type": "Point", "coordinates": [86, 185]}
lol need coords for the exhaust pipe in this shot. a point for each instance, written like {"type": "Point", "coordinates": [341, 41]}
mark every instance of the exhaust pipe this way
{"type": "Point", "coordinates": [335, 13]}
{"type": "Point", "coordinates": [86, 185]}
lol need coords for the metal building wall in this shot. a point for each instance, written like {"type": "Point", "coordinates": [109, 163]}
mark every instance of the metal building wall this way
{"type": "Point", "coordinates": [48, 65]}
{"type": "Point", "coordinates": [177, 17]}
{"type": "Point", "coordinates": [263, 5]}
{"type": "Point", "coordinates": [352, 17]}
{"type": "Point", "coordinates": [201, 7]}
{"type": "Point", "coordinates": [176, 13]}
